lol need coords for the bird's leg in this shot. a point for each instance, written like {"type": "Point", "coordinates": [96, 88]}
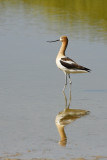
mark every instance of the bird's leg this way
{"type": "Point", "coordinates": [69, 97]}
{"type": "Point", "coordinates": [65, 99]}
{"type": "Point", "coordinates": [65, 82]}
{"type": "Point", "coordinates": [70, 82]}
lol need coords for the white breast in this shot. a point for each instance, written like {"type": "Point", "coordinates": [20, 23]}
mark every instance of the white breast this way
{"type": "Point", "coordinates": [59, 64]}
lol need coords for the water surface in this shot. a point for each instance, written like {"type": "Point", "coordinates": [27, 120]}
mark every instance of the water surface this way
{"type": "Point", "coordinates": [31, 85]}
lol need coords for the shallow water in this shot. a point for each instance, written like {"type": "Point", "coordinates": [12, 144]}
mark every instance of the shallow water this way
{"type": "Point", "coordinates": [31, 85]}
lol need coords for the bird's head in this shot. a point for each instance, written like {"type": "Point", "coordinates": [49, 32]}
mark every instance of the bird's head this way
{"type": "Point", "coordinates": [62, 39]}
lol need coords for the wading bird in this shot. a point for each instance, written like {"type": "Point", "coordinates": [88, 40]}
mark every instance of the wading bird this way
{"type": "Point", "coordinates": [66, 64]}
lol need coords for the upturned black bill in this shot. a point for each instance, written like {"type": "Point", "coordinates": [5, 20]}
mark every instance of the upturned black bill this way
{"type": "Point", "coordinates": [54, 41]}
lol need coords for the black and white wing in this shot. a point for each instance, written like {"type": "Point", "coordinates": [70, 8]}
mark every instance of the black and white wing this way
{"type": "Point", "coordinates": [72, 65]}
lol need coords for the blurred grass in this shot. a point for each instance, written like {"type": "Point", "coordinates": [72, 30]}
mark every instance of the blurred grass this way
{"type": "Point", "coordinates": [74, 15]}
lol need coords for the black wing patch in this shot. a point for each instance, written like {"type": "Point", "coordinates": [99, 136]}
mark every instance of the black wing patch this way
{"type": "Point", "coordinates": [67, 59]}
{"type": "Point", "coordinates": [73, 66]}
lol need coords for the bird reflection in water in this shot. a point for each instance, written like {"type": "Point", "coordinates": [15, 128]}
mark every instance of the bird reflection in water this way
{"type": "Point", "coordinates": [66, 117]}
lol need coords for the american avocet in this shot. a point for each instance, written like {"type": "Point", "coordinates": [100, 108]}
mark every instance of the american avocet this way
{"type": "Point", "coordinates": [66, 64]}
